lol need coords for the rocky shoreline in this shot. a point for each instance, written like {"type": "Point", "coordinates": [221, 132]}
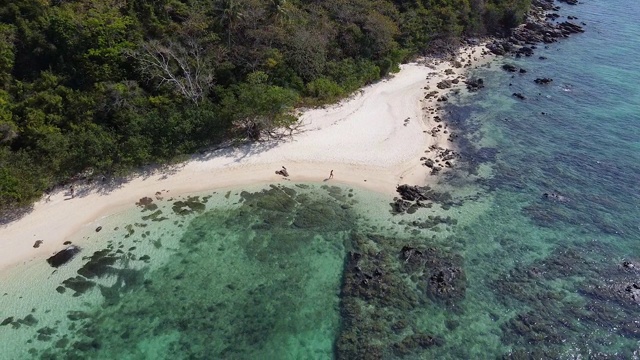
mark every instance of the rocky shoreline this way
{"type": "Point", "coordinates": [375, 291]}
{"type": "Point", "coordinates": [540, 27]}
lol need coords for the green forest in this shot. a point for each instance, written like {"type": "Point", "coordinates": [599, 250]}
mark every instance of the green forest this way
{"type": "Point", "coordinates": [105, 86]}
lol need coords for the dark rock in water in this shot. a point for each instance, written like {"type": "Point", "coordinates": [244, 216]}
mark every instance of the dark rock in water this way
{"type": "Point", "coordinates": [474, 84]}
{"type": "Point", "coordinates": [422, 193]}
{"type": "Point", "coordinates": [38, 243]}
{"type": "Point", "coordinates": [28, 320]}
{"type": "Point", "coordinates": [442, 273]}
{"type": "Point", "coordinates": [443, 98]}
{"type": "Point", "coordinates": [523, 71]}
{"type": "Point", "coordinates": [424, 196]}
{"type": "Point", "coordinates": [400, 206]}
{"type": "Point", "coordinates": [7, 321]}
{"type": "Point", "coordinates": [448, 282]}
{"type": "Point", "coordinates": [542, 58]}
{"type": "Point", "coordinates": [190, 205]}
{"type": "Point", "coordinates": [519, 96]}
{"type": "Point", "coordinates": [98, 228]}
{"type": "Point", "coordinates": [63, 256]}
{"type": "Point", "coordinates": [526, 51]}
{"type": "Point", "coordinates": [570, 2]}
{"type": "Point", "coordinates": [543, 81]}
{"type": "Point", "coordinates": [629, 265]}
{"type": "Point", "coordinates": [377, 301]}
{"type": "Point", "coordinates": [509, 68]}
{"type": "Point", "coordinates": [552, 16]}
{"type": "Point", "coordinates": [146, 203]}
{"type": "Point", "coordinates": [568, 28]}
{"type": "Point", "coordinates": [45, 333]}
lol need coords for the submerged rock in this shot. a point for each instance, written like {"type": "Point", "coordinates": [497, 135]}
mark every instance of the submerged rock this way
{"type": "Point", "coordinates": [441, 274]}
{"type": "Point", "coordinates": [378, 304]}
{"type": "Point", "coordinates": [79, 284]}
{"type": "Point", "coordinates": [99, 264]}
{"type": "Point", "coordinates": [509, 68]}
{"type": "Point", "coordinates": [543, 81]}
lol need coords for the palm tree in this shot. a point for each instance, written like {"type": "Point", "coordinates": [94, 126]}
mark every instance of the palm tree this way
{"type": "Point", "coordinates": [278, 10]}
{"type": "Point", "coordinates": [228, 13]}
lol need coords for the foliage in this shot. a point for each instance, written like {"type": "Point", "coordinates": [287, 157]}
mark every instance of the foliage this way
{"type": "Point", "coordinates": [108, 85]}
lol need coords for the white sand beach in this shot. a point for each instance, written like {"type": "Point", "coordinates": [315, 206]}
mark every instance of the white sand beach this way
{"type": "Point", "coordinates": [374, 139]}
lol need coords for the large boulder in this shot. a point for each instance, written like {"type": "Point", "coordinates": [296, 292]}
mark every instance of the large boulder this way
{"type": "Point", "coordinates": [63, 256]}
{"type": "Point", "coordinates": [444, 84]}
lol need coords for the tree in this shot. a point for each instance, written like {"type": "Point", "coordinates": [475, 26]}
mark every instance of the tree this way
{"type": "Point", "coordinates": [228, 13]}
{"type": "Point", "coordinates": [260, 109]}
{"type": "Point", "coordinates": [7, 54]}
{"type": "Point", "coordinates": [181, 65]}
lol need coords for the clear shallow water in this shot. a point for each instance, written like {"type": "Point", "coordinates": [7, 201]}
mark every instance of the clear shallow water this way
{"type": "Point", "coordinates": [272, 274]}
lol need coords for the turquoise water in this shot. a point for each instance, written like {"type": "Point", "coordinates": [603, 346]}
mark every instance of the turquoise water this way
{"type": "Point", "coordinates": [306, 271]}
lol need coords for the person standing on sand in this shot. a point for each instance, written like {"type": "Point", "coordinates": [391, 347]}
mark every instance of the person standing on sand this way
{"type": "Point", "coordinates": [71, 191]}
{"type": "Point", "coordinates": [331, 175]}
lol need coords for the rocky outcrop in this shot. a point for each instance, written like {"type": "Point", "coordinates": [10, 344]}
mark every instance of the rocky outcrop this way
{"type": "Point", "coordinates": [536, 29]}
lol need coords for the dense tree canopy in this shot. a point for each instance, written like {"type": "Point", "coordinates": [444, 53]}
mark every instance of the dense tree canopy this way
{"type": "Point", "coordinates": [102, 86]}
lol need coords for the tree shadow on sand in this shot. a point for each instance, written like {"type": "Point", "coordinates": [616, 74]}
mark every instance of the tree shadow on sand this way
{"type": "Point", "coordinates": [238, 151]}
{"type": "Point", "coordinates": [103, 184]}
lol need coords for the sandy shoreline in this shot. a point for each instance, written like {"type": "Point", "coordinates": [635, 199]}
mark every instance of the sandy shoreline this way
{"type": "Point", "coordinates": [373, 140]}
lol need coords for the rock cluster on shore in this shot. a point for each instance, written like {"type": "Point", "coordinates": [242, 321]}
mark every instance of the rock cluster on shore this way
{"type": "Point", "coordinates": [537, 29]}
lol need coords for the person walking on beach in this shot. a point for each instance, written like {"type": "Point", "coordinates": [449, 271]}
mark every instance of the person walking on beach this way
{"type": "Point", "coordinates": [331, 175]}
